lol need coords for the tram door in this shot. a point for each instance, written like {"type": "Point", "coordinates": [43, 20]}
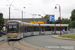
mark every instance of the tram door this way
{"type": "Point", "coordinates": [43, 30]}
{"type": "Point", "coordinates": [53, 30]}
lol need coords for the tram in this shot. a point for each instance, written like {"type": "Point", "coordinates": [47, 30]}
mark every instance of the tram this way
{"type": "Point", "coordinates": [18, 29]}
{"type": "Point", "coordinates": [14, 29]}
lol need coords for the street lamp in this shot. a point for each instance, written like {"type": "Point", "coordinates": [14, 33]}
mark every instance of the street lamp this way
{"type": "Point", "coordinates": [22, 14]}
{"type": "Point", "coordinates": [59, 16]}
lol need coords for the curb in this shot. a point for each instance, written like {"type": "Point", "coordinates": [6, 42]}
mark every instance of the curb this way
{"type": "Point", "coordinates": [56, 36]}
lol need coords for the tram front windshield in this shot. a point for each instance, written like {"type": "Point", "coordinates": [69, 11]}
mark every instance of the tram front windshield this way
{"type": "Point", "coordinates": [12, 29]}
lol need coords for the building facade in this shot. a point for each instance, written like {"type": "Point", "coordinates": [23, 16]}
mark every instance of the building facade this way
{"type": "Point", "coordinates": [29, 20]}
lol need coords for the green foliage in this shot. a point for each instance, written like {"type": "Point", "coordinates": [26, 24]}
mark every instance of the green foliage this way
{"type": "Point", "coordinates": [72, 36]}
{"type": "Point", "coordinates": [72, 24]}
{"type": "Point", "coordinates": [65, 21]}
{"type": "Point", "coordinates": [57, 21]}
{"type": "Point", "coordinates": [46, 16]}
{"type": "Point", "coordinates": [73, 15]}
{"type": "Point", "coordinates": [1, 21]}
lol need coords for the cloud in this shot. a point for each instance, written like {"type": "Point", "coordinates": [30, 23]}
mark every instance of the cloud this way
{"type": "Point", "coordinates": [47, 1]}
{"type": "Point", "coordinates": [37, 7]}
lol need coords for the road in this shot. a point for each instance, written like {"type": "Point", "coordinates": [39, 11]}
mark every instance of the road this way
{"type": "Point", "coordinates": [46, 41]}
{"type": "Point", "coordinates": [16, 45]}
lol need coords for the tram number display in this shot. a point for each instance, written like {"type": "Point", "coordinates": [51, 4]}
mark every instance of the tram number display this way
{"type": "Point", "coordinates": [12, 23]}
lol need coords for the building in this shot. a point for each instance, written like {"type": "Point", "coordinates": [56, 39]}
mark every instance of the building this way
{"type": "Point", "coordinates": [29, 20]}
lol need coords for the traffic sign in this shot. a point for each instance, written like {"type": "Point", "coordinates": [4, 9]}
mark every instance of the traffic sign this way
{"type": "Point", "coordinates": [51, 18]}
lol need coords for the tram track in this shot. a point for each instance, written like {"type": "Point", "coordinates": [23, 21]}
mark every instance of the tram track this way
{"type": "Point", "coordinates": [2, 42]}
{"type": "Point", "coordinates": [27, 46]}
{"type": "Point", "coordinates": [11, 45]}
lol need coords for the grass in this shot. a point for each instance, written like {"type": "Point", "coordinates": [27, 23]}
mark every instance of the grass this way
{"type": "Point", "coordinates": [72, 36]}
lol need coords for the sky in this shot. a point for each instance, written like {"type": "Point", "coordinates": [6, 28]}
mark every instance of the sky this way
{"type": "Point", "coordinates": [41, 7]}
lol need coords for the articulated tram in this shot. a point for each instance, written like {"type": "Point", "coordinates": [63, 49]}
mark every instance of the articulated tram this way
{"type": "Point", "coordinates": [18, 29]}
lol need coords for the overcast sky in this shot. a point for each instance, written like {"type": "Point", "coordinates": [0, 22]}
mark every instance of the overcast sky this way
{"type": "Point", "coordinates": [36, 7]}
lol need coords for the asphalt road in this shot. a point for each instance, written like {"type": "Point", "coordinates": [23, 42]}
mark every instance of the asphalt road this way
{"type": "Point", "coordinates": [46, 41]}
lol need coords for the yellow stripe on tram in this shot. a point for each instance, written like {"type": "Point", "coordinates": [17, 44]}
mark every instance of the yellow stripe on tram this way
{"type": "Point", "coordinates": [12, 34]}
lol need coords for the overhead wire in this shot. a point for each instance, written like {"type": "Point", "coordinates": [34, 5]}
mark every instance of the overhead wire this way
{"type": "Point", "coordinates": [12, 4]}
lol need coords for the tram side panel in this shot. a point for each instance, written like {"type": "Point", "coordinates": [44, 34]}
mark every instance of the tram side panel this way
{"type": "Point", "coordinates": [42, 30]}
{"type": "Point", "coordinates": [48, 30]}
{"type": "Point", "coordinates": [21, 31]}
{"type": "Point", "coordinates": [35, 30]}
{"type": "Point", "coordinates": [29, 31]}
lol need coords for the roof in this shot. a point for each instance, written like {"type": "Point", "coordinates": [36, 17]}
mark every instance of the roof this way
{"type": "Point", "coordinates": [14, 20]}
{"type": "Point", "coordinates": [30, 24]}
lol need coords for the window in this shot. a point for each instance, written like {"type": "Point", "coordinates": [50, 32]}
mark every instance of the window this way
{"type": "Point", "coordinates": [12, 29]}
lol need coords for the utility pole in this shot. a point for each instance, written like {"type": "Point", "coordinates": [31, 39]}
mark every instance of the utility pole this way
{"type": "Point", "coordinates": [9, 12]}
{"type": "Point", "coordinates": [39, 29]}
{"type": "Point", "coordinates": [22, 15]}
{"type": "Point", "coordinates": [24, 11]}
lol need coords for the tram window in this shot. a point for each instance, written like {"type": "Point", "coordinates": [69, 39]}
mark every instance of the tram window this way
{"type": "Point", "coordinates": [36, 29]}
{"type": "Point", "coordinates": [14, 26]}
{"type": "Point", "coordinates": [12, 29]}
{"type": "Point", "coordinates": [29, 29]}
{"type": "Point", "coordinates": [47, 28]}
{"type": "Point", "coordinates": [57, 28]}
{"type": "Point", "coordinates": [10, 26]}
{"type": "Point", "coordinates": [52, 28]}
{"type": "Point", "coordinates": [25, 29]}
{"type": "Point", "coordinates": [43, 29]}
{"type": "Point", "coordinates": [65, 28]}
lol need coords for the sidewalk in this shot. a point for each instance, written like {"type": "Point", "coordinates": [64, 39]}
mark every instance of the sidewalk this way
{"type": "Point", "coordinates": [3, 37]}
{"type": "Point", "coordinates": [56, 36]}
{"type": "Point", "coordinates": [18, 46]}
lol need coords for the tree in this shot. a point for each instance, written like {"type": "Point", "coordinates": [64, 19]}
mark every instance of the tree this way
{"type": "Point", "coordinates": [73, 15]}
{"type": "Point", "coordinates": [58, 21]}
{"type": "Point", "coordinates": [1, 21]}
{"type": "Point", "coordinates": [72, 24]}
{"type": "Point", "coordinates": [65, 21]}
{"type": "Point", "coordinates": [46, 16]}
